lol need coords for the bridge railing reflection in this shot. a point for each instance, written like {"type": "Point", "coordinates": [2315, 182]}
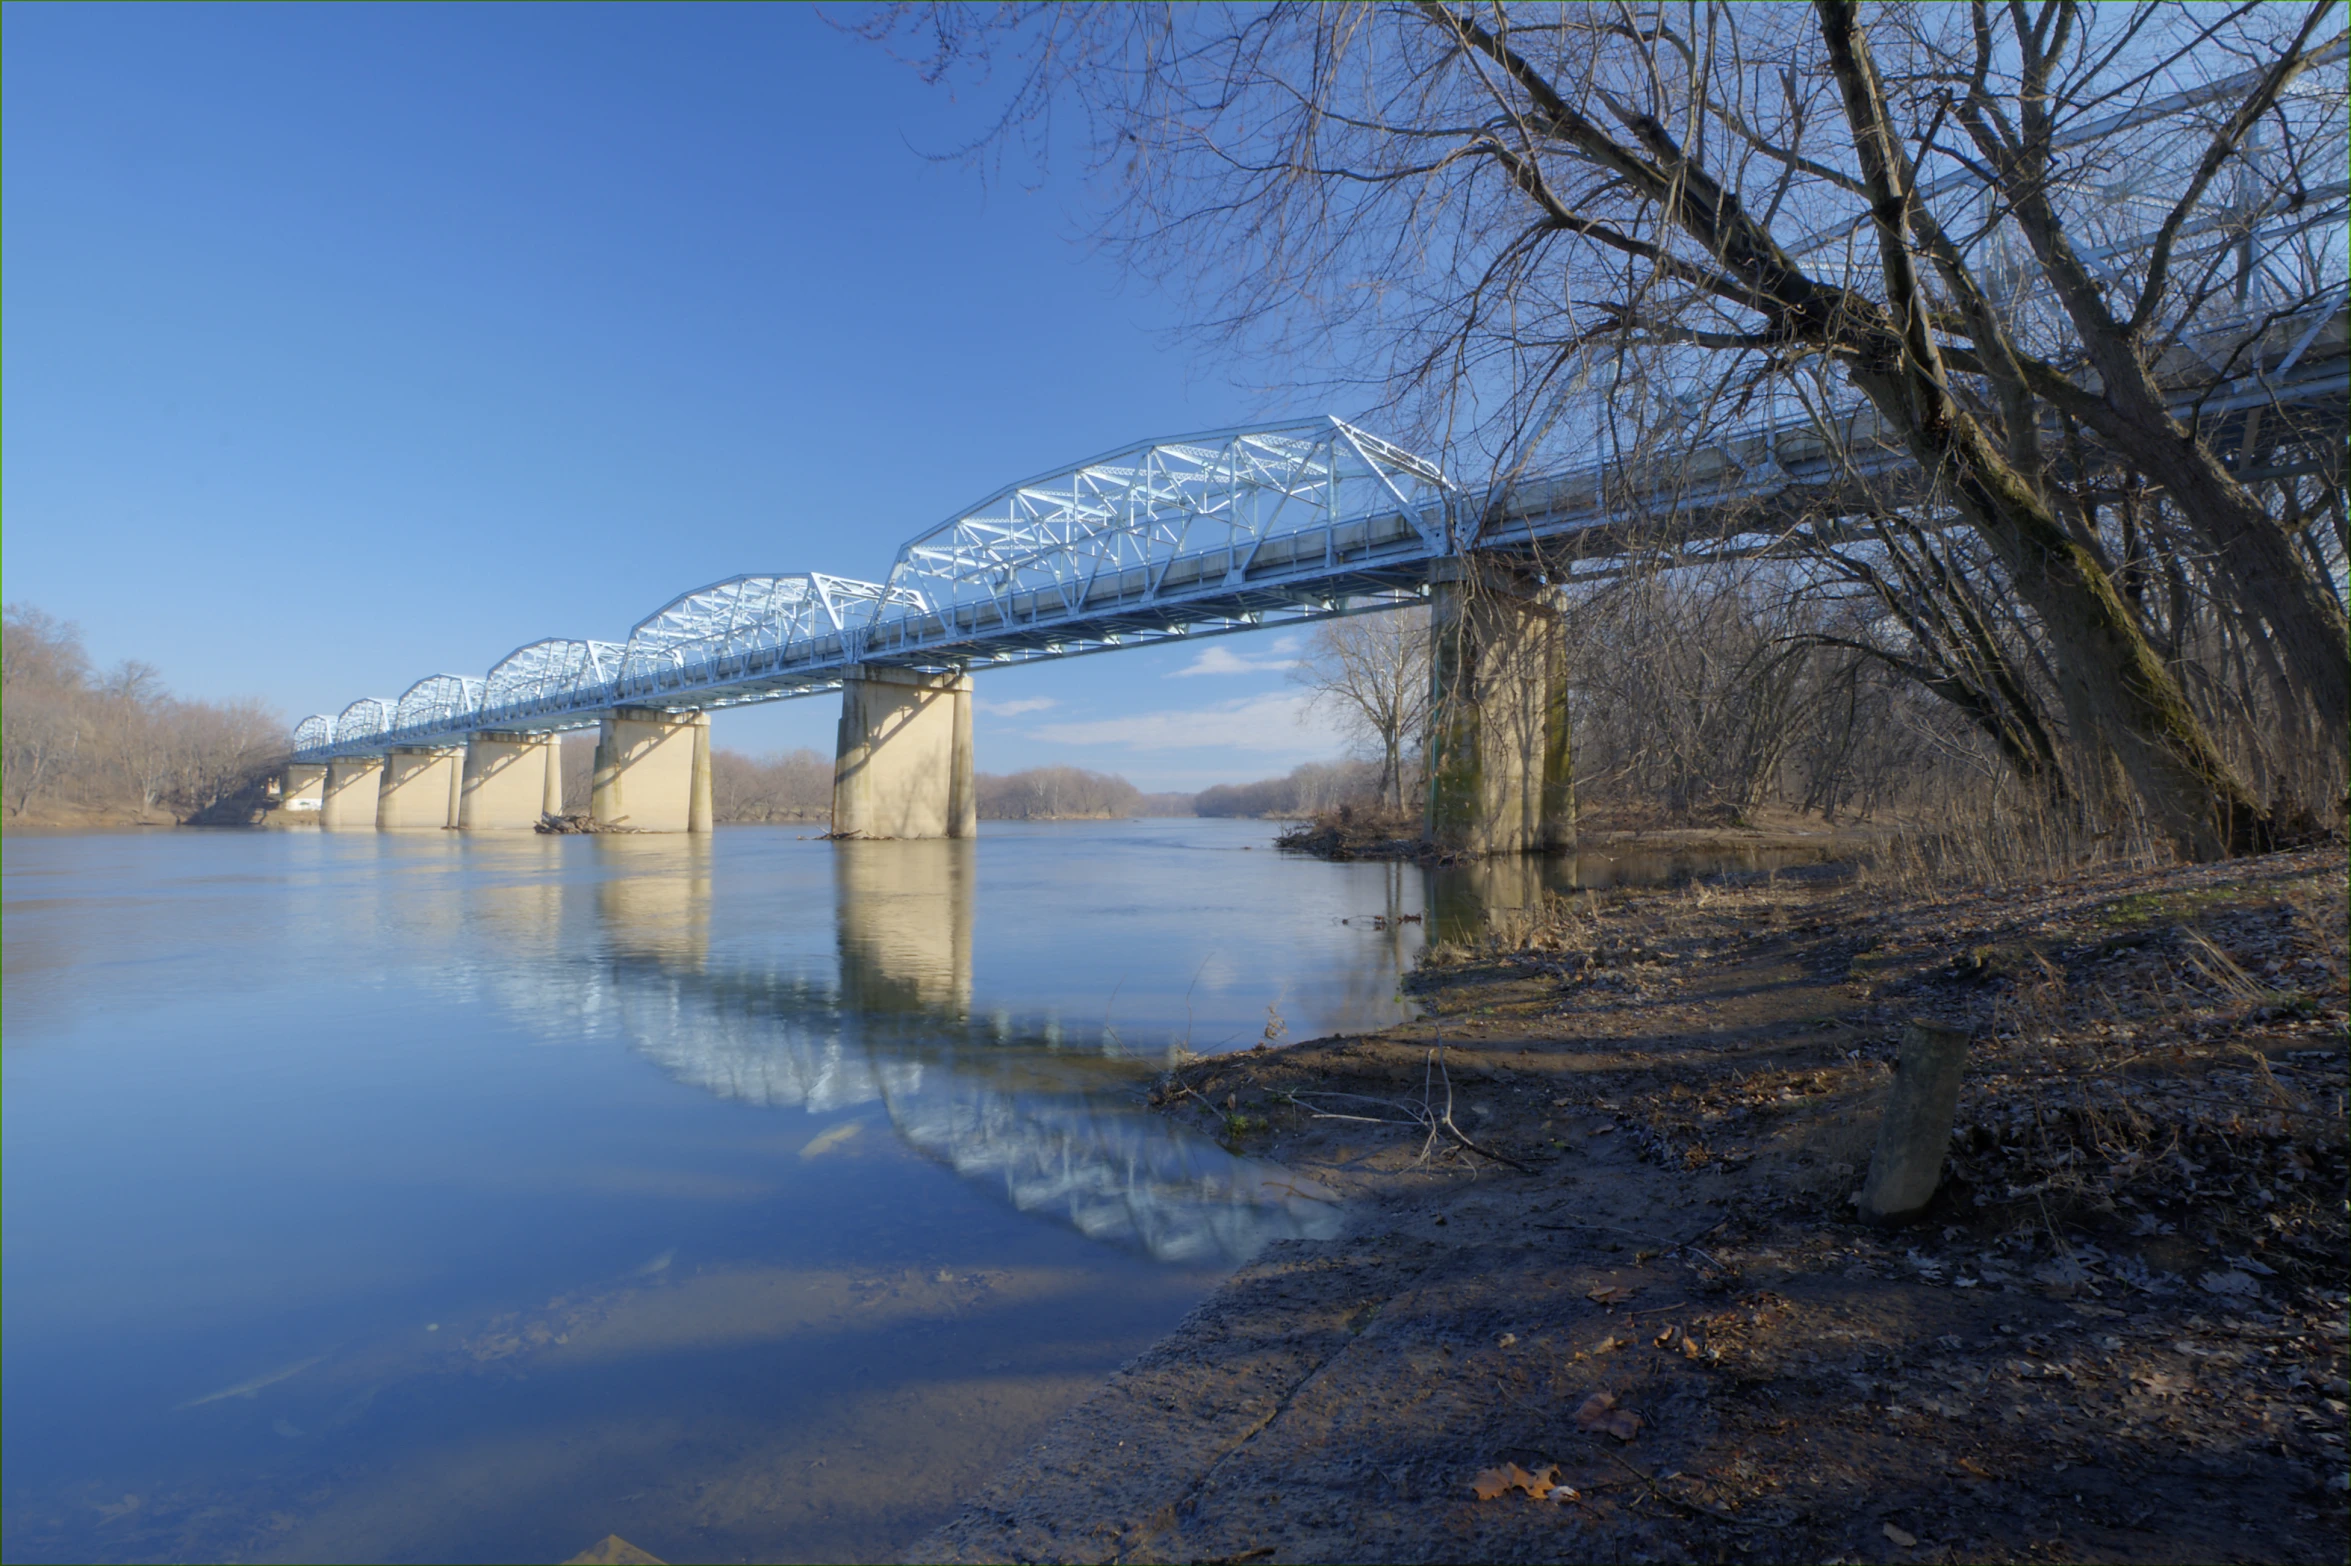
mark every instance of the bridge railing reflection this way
{"type": "Point", "coordinates": [1054, 1121]}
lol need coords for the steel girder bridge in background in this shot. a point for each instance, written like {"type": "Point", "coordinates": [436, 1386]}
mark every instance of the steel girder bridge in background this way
{"type": "Point", "coordinates": [1242, 529]}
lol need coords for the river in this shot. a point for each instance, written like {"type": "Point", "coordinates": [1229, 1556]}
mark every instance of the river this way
{"type": "Point", "coordinates": [425, 1197]}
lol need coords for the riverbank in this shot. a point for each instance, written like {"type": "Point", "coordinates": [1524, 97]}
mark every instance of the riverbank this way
{"type": "Point", "coordinates": [1617, 1305]}
{"type": "Point", "coordinates": [1376, 832]}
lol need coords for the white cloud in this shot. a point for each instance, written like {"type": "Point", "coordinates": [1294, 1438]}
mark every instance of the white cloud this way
{"type": "Point", "coordinates": [1217, 659]}
{"type": "Point", "coordinates": [1013, 709]}
{"type": "Point", "coordinates": [1252, 723]}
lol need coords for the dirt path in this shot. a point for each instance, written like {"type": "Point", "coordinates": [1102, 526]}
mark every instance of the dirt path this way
{"type": "Point", "coordinates": [2120, 1336]}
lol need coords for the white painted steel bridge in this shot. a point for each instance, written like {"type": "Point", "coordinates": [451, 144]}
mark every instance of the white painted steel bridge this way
{"type": "Point", "coordinates": [1202, 535]}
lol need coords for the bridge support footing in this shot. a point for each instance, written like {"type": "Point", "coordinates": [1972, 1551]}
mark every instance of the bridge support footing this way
{"type": "Point", "coordinates": [652, 771]}
{"type": "Point", "coordinates": [510, 781]}
{"type": "Point", "coordinates": [302, 794]}
{"type": "Point", "coordinates": [1501, 752]}
{"type": "Point", "coordinates": [353, 788]}
{"type": "Point", "coordinates": [420, 788]}
{"type": "Point", "coordinates": [903, 764]}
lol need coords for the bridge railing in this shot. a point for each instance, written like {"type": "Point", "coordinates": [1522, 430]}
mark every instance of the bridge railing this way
{"type": "Point", "coordinates": [1303, 520]}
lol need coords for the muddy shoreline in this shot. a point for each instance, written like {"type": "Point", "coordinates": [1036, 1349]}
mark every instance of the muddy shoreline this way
{"type": "Point", "coordinates": [2118, 1336]}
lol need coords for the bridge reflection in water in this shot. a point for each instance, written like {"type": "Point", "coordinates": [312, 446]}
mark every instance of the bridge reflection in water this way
{"type": "Point", "coordinates": [1053, 1117]}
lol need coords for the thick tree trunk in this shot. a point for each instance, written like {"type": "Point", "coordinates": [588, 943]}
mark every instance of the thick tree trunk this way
{"type": "Point", "coordinates": [2253, 549]}
{"type": "Point", "coordinates": [2113, 681]}
{"type": "Point", "coordinates": [2117, 689]}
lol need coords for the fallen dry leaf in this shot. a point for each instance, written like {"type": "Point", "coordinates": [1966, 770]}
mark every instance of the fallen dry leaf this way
{"type": "Point", "coordinates": [1609, 1294]}
{"type": "Point", "coordinates": [1600, 1413]}
{"type": "Point", "coordinates": [1501, 1481]}
{"type": "Point", "coordinates": [1900, 1537]}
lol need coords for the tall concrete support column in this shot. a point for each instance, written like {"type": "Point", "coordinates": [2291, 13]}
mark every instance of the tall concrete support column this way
{"type": "Point", "coordinates": [506, 782]}
{"type": "Point", "coordinates": [902, 768]}
{"type": "Point", "coordinates": [653, 771]}
{"type": "Point", "coordinates": [420, 789]}
{"type": "Point", "coordinates": [1501, 750]}
{"type": "Point", "coordinates": [354, 787]}
{"type": "Point", "coordinates": [552, 803]}
{"type": "Point", "coordinates": [302, 791]}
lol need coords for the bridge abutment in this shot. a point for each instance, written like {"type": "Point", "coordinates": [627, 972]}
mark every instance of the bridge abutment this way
{"type": "Point", "coordinates": [509, 782]}
{"type": "Point", "coordinates": [302, 793]}
{"type": "Point", "coordinates": [652, 771]}
{"type": "Point", "coordinates": [903, 765]}
{"type": "Point", "coordinates": [420, 788]}
{"type": "Point", "coordinates": [1501, 749]}
{"type": "Point", "coordinates": [353, 788]}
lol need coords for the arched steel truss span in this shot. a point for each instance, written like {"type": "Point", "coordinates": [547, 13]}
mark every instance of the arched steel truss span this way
{"type": "Point", "coordinates": [1223, 531]}
{"type": "Point", "coordinates": [1236, 529]}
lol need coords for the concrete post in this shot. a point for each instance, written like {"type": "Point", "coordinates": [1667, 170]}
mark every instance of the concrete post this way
{"type": "Point", "coordinates": [1916, 1130]}
{"type": "Point", "coordinates": [698, 804]}
{"type": "Point", "coordinates": [1501, 749]}
{"type": "Point", "coordinates": [302, 793]}
{"type": "Point", "coordinates": [354, 787]}
{"type": "Point", "coordinates": [902, 768]}
{"type": "Point", "coordinates": [652, 769]}
{"type": "Point", "coordinates": [551, 804]}
{"type": "Point", "coordinates": [420, 788]}
{"type": "Point", "coordinates": [504, 784]}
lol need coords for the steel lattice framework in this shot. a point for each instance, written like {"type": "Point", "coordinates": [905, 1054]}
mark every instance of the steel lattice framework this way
{"type": "Point", "coordinates": [1237, 529]}
{"type": "Point", "coordinates": [1223, 531]}
{"type": "Point", "coordinates": [1241, 528]}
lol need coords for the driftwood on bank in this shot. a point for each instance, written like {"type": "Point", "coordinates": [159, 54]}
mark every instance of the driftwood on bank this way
{"type": "Point", "coordinates": [580, 821]}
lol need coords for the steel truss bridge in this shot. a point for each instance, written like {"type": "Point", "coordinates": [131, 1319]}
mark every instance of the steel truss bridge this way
{"type": "Point", "coordinates": [1240, 529]}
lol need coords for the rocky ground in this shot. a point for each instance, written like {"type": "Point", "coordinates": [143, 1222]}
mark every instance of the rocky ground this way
{"type": "Point", "coordinates": [1604, 1296]}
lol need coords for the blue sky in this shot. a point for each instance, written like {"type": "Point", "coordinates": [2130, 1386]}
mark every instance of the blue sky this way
{"type": "Point", "coordinates": [345, 345]}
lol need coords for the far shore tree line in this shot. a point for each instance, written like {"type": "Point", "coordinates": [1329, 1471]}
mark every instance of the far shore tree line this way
{"type": "Point", "coordinates": [115, 744]}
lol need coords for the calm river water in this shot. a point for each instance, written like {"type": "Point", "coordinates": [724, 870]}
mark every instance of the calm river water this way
{"type": "Point", "coordinates": [418, 1197]}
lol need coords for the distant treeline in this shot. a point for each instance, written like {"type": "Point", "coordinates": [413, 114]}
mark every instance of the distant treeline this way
{"type": "Point", "coordinates": [81, 745]}
{"type": "Point", "coordinates": [1316, 786]}
{"type": "Point", "coordinates": [798, 786]}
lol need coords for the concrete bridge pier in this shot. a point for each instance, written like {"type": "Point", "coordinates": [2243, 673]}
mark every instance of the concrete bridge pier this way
{"type": "Point", "coordinates": [509, 782]}
{"type": "Point", "coordinates": [902, 767]}
{"type": "Point", "coordinates": [302, 791]}
{"type": "Point", "coordinates": [354, 785]}
{"type": "Point", "coordinates": [420, 788]}
{"type": "Point", "coordinates": [652, 771]}
{"type": "Point", "coordinates": [1501, 751]}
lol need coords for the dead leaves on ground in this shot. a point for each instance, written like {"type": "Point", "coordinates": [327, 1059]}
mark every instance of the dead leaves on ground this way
{"type": "Point", "coordinates": [1497, 1482]}
{"type": "Point", "coordinates": [1600, 1413]}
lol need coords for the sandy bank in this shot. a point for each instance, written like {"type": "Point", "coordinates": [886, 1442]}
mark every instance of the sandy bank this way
{"type": "Point", "coordinates": [2119, 1337]}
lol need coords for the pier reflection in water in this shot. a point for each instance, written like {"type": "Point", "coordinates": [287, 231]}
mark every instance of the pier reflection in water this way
{"type": "Point", "coordinates": [1051, 1117]}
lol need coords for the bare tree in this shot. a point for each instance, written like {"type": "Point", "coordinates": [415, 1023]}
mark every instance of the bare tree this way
{"type": "Point", "coordinates": [43, 673]}
{"type": "Point", "coordinates": [1547, 229]}
{"type": "Point", "coordinates": [1373, 670]}
{"type": "Point", "coordinates": [121, 741]}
